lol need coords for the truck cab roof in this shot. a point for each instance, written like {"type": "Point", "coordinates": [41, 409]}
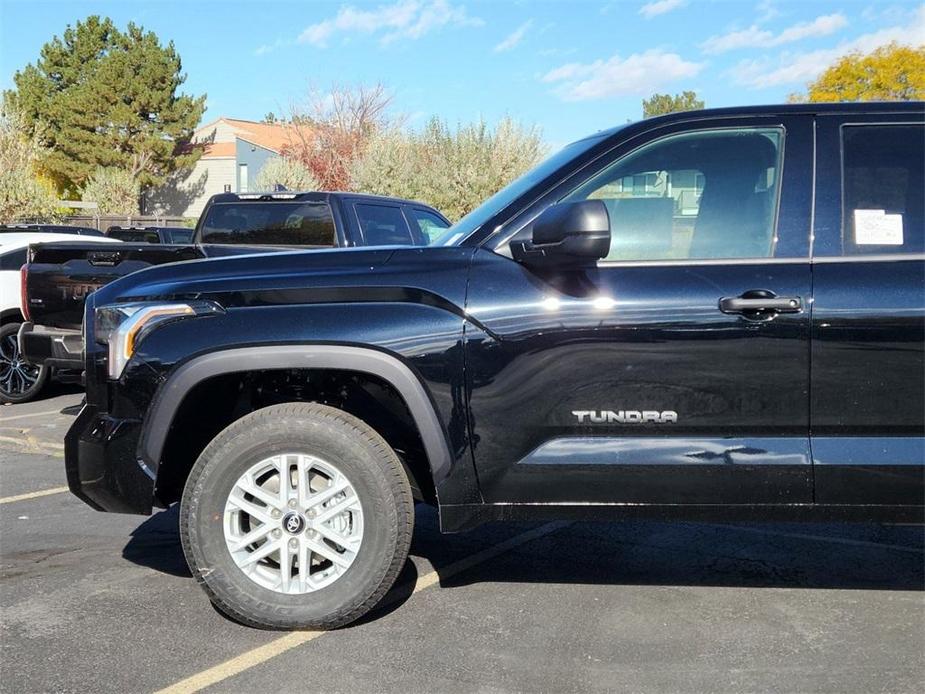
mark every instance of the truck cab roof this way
{"type": "Point", "coordinates": [326, 195]}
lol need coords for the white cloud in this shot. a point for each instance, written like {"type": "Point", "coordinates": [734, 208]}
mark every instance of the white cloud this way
{"type": "Point", "coordinates": [639, 73]}
{"type": "Point", "coordinates": [767, 10]}
{"type": "Point", "coordinates": [657, 7]}
{"type": "Point", "coordinates": [887, 13]}
{"type": "Point", "coordinates": [753, 37]}
{"type": "Point", "coordinates": [270, 47]}
{"type": "Point", "coordinates": [790, 68]}
{"type": "Point", "coordinates": [409, 19]}
{"type": "Point", "coordinates": [514, 38]}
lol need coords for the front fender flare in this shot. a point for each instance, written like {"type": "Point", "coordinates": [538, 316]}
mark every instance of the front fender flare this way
{"type": "Point", "coordinates": [344, 358]}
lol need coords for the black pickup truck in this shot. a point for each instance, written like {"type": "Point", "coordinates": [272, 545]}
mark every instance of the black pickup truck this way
{"type": "Point", "coordinates": [151, 234]}
{"type": "Point", "coordinates": [707, 315]}
{"type": "Point", "coordinates": [58, 278]}
{"type": "Point", "coordinates": [15, 228]}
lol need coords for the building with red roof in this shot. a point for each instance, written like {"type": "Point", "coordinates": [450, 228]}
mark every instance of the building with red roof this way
{"type": "Point", "coordinates": [233, 153]}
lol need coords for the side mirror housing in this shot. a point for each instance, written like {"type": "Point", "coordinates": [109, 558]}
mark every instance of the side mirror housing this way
{"type": "Point", "coordinates": [567, 234]}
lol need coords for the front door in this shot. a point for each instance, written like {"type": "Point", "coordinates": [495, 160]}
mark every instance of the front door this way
{"type": "Point", "coordinates": [676, 371]}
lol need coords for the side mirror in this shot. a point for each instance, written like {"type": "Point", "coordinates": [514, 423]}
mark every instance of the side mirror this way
{"type": "Point", "coordinates": [567, 234]}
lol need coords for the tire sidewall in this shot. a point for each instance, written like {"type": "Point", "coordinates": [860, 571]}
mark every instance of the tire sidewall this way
{"type": "Point", "coordinates": [326, 438]}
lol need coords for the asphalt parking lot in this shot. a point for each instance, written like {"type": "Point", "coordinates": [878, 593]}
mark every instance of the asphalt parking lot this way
{"type": "Point", "coordinates": [100, 602]}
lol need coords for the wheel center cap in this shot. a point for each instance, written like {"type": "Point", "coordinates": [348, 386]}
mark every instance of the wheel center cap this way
{"type": "Point", "coordinates": [293, 523]}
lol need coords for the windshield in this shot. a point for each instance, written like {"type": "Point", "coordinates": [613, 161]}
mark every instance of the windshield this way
{"type": "Point", "coordinates": [269, 224]}
{"type": "Point", "coordinates": [518, 187]}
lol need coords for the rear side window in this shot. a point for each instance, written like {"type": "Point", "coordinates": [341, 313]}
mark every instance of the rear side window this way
{"type": "Point", "coordinates": [883, 189]}
{"type": "Point", "coordinates": [383, 225]}
{"type": "Point", "coordinates": [270, 224]}
{"type": "Point", "coordinates": [429, 224]}
{"type": "Point", "coordinates": [180, 235]}
{"type": "Point", "coordinates": [13, 260]}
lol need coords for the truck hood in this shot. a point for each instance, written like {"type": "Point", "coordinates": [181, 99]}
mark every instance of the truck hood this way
{"type": "Point", "coordinates": [257, 275]}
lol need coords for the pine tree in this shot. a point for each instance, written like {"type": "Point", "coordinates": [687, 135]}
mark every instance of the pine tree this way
{"type": "Point", "coordinates": [106, 98]}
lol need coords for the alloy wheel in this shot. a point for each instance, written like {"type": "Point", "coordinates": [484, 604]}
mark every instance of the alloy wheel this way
{"type": "Point", "coordinates": [17, 376]}
{"type": "Point", "coordinates": [293, 523]}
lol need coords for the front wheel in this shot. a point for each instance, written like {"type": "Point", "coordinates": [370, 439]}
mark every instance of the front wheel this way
{"type": "Point", "coordinates": [20, 381]}
{"type": "Point", "coordinates": [297, 516]}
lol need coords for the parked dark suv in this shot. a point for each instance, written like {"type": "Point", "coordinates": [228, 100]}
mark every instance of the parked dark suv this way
{"type": "Point", "coordinates": [716, 314]}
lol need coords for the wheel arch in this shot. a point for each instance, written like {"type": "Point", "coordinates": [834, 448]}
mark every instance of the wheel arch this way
{"type": "Point", "coordinates": [384, 366]}
{"type": "Point", "coordinates": [10, 315]}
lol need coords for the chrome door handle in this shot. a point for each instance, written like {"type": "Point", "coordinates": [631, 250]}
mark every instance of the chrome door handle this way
{"type": "Point", "coordinates": [747, 304]}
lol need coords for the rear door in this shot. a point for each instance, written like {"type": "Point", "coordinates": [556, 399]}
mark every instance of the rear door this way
{"type": "Point", "coordinates": [677, 370]}
{"type": "Point", "coordinates": [868, 328]}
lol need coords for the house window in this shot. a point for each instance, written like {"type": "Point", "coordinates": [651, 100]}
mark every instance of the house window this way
{"type": "Point", "coordinates": [242, 178]}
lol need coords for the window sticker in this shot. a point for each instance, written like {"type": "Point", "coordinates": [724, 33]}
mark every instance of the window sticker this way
{"type": "Point", "coordinates": [877, 228]}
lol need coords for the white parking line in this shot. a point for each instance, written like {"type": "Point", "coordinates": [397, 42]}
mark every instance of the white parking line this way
{"type": "Point", "coordinates": [33, 495]}
{"type": "Point", "coordinates": [31, 414]}
{"type": "Point", "coordinates": [26, 443]}
{"type": "Point", "coordinates": [278, 646]}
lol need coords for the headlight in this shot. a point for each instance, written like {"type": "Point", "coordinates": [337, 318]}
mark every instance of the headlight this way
{"type": "Point", "coordinates": [122, 326]}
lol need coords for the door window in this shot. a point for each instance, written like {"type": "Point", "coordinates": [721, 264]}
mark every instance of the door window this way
{"type": "Point", "coordinates": [383, 225]}
{"type": "Point", "coordinates": [430, 225]}
{"type": "Point", "coordinates": [882, 189]}
{"type": "Point", "coordinates": [708, 194]}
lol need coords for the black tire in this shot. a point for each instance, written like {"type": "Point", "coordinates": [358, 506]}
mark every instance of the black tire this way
{"type": "Point", "coordinates": [18, 382]}
{"type": "Point", "coordinates": [359, 453]}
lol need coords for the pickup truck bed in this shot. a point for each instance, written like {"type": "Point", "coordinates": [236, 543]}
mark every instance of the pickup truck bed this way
{"type": "Point", "coordinates": [59, 276]}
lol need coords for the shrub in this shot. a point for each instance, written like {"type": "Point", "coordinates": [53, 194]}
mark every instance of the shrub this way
{"type": "Point", "coordinates": [115, 191]}
{"type": "Point", "coordinates": [23, 193]}
{"type": "Point", "coordinates": [452, 170]}
{"type": "Point", "coordinates": [286, 172]}
{"type": "Point", "coordinates": [332, 129]}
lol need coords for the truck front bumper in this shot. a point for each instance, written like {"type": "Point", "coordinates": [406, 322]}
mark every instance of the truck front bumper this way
{"type": "Point", "coordinates": [101, 463]}
{"type": "Point", "coordinates": [57, 347]}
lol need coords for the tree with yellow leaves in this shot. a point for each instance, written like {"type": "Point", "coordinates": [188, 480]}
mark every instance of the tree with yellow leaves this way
{"type": "Point", "coordinates": [889, 73]}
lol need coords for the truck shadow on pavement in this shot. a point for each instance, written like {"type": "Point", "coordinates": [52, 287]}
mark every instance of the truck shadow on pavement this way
{"type": "Point", "coordinates": [779, 555]}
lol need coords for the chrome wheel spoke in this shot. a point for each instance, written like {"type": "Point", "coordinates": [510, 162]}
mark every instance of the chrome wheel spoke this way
{"type": "Point", "coordinates": [266, 549]}
{"type": "Point", "coordinates": [337, 507]}
{"type": "Point", "coordinates": [248, 486]}
{"type": "Point", "coordinates": [252, 537]}
{"type": "Point", "coordinates": [285, 566]}
{"type": "Point", "coordinates": [317, 500]}
{"type": "Point", "coordinates": [285, 479]}
{"type": "Point", "coordinates": [349, 544]}
{"type": "Point", "coordinates": [250, 509]}
{"type": "Point", "coordinates": [303, 491]}
{"type": "Point", "coordinates": [329, 553]}
{"type": "Point", "coordinates": [304, 568]}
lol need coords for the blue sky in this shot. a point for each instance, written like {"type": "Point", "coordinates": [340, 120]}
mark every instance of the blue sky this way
{"type": "Point", "coordinates": [570, 67]}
